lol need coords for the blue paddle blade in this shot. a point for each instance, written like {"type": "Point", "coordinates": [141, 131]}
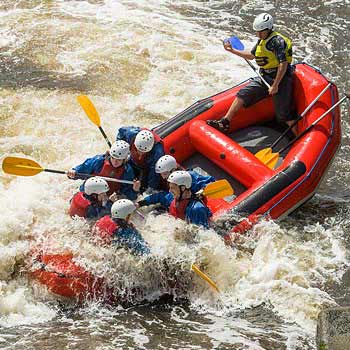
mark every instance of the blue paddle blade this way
{"type": "Point", "coordinates": [236, 43]}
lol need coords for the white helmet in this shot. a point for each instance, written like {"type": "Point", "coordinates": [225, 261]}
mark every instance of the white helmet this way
{"type": "Point", "coordinates": [122, 208]}
{"type": "Point", "coordinates": [262, 22]}
{"type": "Point", "coordinates": [144, 141]}
{"type": "Point", "coordinates": [165, 164]}
{"type": "Point", "coordinates": [120, 150]}
{"type": "Point", "coordinates": [95, 185]}
{"type": "Point", "coordinates": [181, 178]}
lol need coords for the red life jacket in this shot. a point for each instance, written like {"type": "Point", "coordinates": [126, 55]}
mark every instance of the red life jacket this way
{"type": "Point", "coordinates": [178, 208]}
{"type": "Point", "coordinates": [105, 228]}
{"type": "Point", "coordinates": [139, 159]}
{"type": "Point", "coordinates": [79, 205]}
{"type": "Point", "coordinates": [109, 170]}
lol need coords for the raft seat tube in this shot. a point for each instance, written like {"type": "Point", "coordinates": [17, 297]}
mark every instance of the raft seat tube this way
{"type": "Point", "coordinates": [228, 154]}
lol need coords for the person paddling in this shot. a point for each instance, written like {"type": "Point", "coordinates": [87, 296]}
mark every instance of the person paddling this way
{"type": "Point", "coordinates": [93, 202]}
{"type": "Point", "coordinates": [273, 53]}
{"type": "Point", "coordinates": [113, 164]}
{"type": "Point", "coordinates": [117, 228]}
{"type": "Point", "coordinates": [164, 167]}
{"type": "Point", "coordinates": [185, 205]}
{"type": "Point", "coordinates": [146, 148]}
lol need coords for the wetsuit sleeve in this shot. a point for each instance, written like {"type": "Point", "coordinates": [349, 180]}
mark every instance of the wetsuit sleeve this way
{"type": "Point", "coordinates": [91, 165]}
{"type": "Point", "coordinates": [199, 181]}
{"type": "Point", "coordinates": [93, 212]}
{"type": "Point", "coordinates": [164, 198]}
{"type": "Point", "coordinates": [278, 46]}
{"type": "Point", "coordinates": [198, 214]}
{"type": "Point", "coordinates": [127, 189]}
{"type": "Point", "coordinates": [153, 178]}
{"type": "Point", "coordinates": [131, 239]}
{"type": "Point", "coordinates": [127, 133]}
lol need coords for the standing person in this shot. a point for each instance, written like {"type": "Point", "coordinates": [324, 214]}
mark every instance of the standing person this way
{"type": "Point", "coordinates": [164, 167]}
{"type": "Point", "coordinates": [273, 53]}
{"type": "Point", "coordinates": [93, 202]}
{"type": "Point", "coordinates": [146, 148]}
{"type": "Point", "coordinates": [117, 228]}
{"type": "Point", "coordinates": [111, 164]}
{"type": "Point", "coordinates": [185, 205]}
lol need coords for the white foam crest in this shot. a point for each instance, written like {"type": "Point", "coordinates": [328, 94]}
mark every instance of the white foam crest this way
{"type": "Point", "coordinates": [286, 273]}
{"type": "Point", "coordinates": [17, 306]}
{"type": "Point", "coordinates": [11, 256]}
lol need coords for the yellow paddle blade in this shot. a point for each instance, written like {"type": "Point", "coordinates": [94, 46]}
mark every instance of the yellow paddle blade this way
{"type": "Point", "coordinates": [21, 166]}
{"type": "Point", "coordinates": [263, 153]}
{"type": "Point", "coordinates": [89, 109]}
{"type": "Point", "coordinates": [218, 189]}
{"type": "Point", "coordinates": [272, 160]}
{"type": "Point", "coordinates": [205, 277]}
{"type": "Point", "coordinates": [267, 157]}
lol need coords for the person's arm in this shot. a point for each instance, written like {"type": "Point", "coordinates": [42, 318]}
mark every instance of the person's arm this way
{"type": "Point", "coordinates": [91, 165]}
{"type": "Point", "coordinates": [198, 214]}
{"type": "Point", "coordinates": [241, 53]}
{"type": "Point", "coordinates": [153, 178]}
{"type": "Point", "coordinates": [278, 45]}
{"type": "Point", "coordinates": [127, 133]}
{"type": "Point", "coordinates": [127, 189]}
{"type": "Point", "coordinates": [199, 181]}
{"type": "Point", "coordinates": [281, 71]}
{"type": "Point", "coordinates": [164, 198]}
{"type": "Point", "coordinates": [91, 212]}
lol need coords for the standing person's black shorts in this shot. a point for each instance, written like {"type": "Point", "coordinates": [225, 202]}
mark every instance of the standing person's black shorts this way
{"type": "Point", "coordinates": [256, 90]}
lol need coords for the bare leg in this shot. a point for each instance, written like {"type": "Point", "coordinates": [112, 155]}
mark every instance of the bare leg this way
{"type": "Point", "coordinates": [294, 128]}
{"type": "Point", "coordinates": [236, 105]}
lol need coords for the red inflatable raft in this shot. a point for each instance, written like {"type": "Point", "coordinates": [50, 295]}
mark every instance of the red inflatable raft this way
{"type": "Point", "coordinates": [261, 192]}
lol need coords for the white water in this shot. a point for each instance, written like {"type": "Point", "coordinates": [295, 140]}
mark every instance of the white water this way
{"type": "Point", "coordinates": [140, 62]}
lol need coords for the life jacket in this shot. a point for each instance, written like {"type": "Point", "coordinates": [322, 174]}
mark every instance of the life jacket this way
{"type": "Point", "coordinates": [139, 159]}
{"type": "Point", "coordinates": [108, 170]}
{"type": "Point", "coordinates": [265, 58]}
{"type": "Point", "coordinates": [178, 208]}
{"type": "Point", "coordinates": [79, 205]}
{"type": "Point", "coordinates": [105, 228]}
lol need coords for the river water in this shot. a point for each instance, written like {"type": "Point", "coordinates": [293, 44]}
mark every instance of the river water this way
{"type": "Point", "coordinates": [141, 62]}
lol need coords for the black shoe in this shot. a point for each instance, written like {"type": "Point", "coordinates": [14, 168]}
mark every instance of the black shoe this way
{"type": "Point", "coordinates": [222, 124]}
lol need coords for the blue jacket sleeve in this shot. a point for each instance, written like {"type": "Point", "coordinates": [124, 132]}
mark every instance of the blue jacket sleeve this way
{"type": "Point", "coordinates": [127, 189]}
{"type": "Point", "coordinates": [130, 238]}
{"type": "Point", "coordinates": [127, 133]}
{"type": "Point", "coordinates": [199, 181]}
{"type": "Point", "coordinates": [164, 198]}
{"type": "Point", "coordinates": [197, 213]}
{"type": "Point", "coordinates": [91, 165]}
{"type": "Point", "coordinates": [98, 212]}
{"type": "Point", "coordinates": [154, 178]}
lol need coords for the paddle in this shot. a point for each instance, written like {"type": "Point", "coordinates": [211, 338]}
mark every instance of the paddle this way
{"type": "Point", "coordinates": [271, 159]}
{"type": "Point", "coordinates": [264, 154]}
{"type": "Point", "coordinates": [28, 167]}
{"type": "Point", "coordinates": [92, 114]}
{"type": "Point", "coordinates": [205, 277]}
{"type": "Point", "coordinates": [217, 189]}
{"type": "Point", "coordinates": [238, 45]}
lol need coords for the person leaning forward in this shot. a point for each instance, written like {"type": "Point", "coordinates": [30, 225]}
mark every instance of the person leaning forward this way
{"type": "Point", "coordinates": [273, 53]}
